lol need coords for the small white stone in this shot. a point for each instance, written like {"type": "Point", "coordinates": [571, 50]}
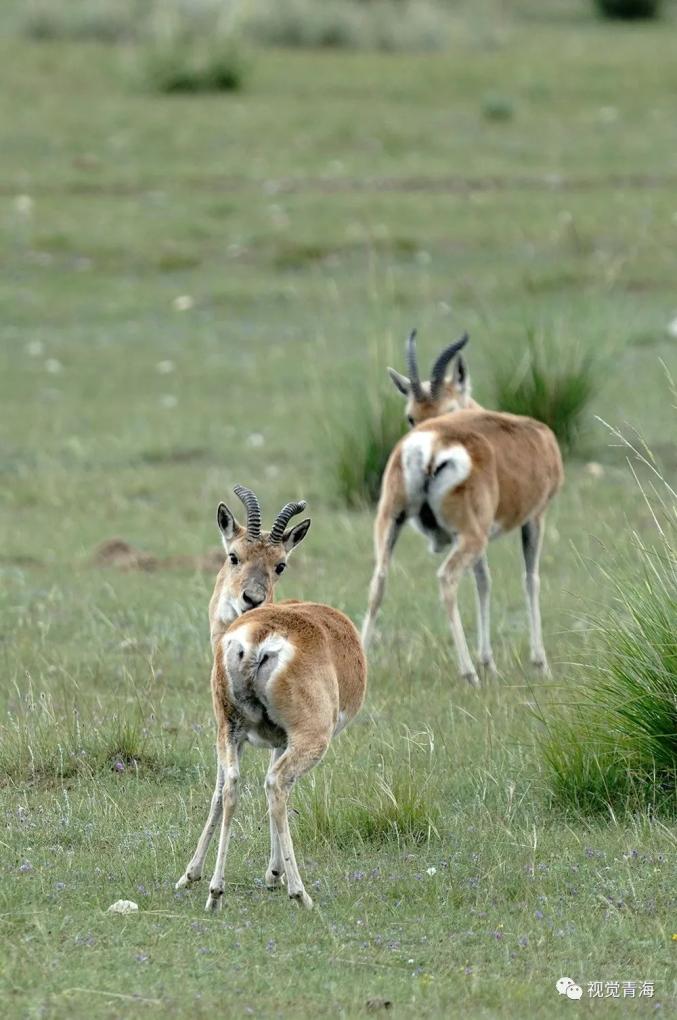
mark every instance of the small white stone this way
{"type": "Point", "coordinates": [431, 871]}
{"type": "Point", "coordinates": [672, 328]}
{"type": "Point", "coordinates": [123, 907]}
{"type": "Point", "coordinates": [24, 205]}
{"type": "Point", "coordinates": [255, 440]}
{"type": "Point", "coordinates": [164, 367]}
{"type": "Point", "coordinates": [594, 469]}
{"type": "Point", "coordinates": [183, 303]}
{"type": "Point", "coordinates": [53, 366]}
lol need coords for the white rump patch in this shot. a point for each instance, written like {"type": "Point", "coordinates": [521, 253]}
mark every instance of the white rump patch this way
{"type": "Point", "coordinates": [241, 635]}
{"type": "Point", "coordinates": [277, 652]}
{"type": "Point", "coordinates": [416, 454]}
{"type": "Point", "coordinates": [451, 467]}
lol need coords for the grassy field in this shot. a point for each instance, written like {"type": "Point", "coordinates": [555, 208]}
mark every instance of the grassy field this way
{"type": "Point", "coordinates": [190, 288]}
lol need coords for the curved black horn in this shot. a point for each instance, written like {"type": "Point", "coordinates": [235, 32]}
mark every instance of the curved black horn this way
{"type": "Point", "coordinates": [440, 366]}
{"type": "Point", "coordinates": [253, 509]}
{"type": "Point", "coordinates": [412, 367]}
{"type": "Point", "coordinates": [282, 520]}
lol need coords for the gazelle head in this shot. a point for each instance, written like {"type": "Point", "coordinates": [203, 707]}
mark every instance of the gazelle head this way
{"type": "Point", "coordinates": [440, 395]}
{"type": "Point", "coordinates": [255, 559]}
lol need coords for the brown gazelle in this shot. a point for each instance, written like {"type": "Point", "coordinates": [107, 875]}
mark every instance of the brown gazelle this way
{"type": "Point", "coordinates": [286, 676]}
{"type": "Point", "coordinates": [462, 476]}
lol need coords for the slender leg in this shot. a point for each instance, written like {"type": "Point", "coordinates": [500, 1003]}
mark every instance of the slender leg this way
{"type": "Point", "coordinates": [532, 541]}
{"type": "Point", "coordinates": [386, 531]}
{"type": "Point", "coordinates": [229, 757]}
{"type": "Point", "coordinates": [280, 779]}
{"type": "Point", "coordinates": [463, 555]}
{"type": "Point", "coordinates": [193, 872]}
{"type": "Point", "coordinates": [275, 872]}
{"type": "Point", "coordinates": [483, 586]}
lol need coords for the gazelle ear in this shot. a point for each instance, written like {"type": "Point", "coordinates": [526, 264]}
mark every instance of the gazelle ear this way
{"type": "Point", "coordinates": [401, 382]}
{"type": "Point", "coordinates": [461, 376]}
{"type": "Point", "coordinates": [228, 526]}
{"type": "Point", "coordinates": [295, 535]}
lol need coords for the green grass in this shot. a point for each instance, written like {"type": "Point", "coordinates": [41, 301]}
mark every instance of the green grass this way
{"type": "Point", "coordinates": [629, 9]}
{"type": "Point", "coordinates": [360, 442]}
{"type": "Point", "coordinates": [552, 383]}
{"type": "Point", "coordinates": [185, 65]}
{"type": "Point", "coordinates": [191, 286]}
{"type": "Point", "coordinates": [615, 749]}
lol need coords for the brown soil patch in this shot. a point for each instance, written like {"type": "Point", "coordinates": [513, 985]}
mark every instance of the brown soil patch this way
{"type": "Point", "coordinates": [115, 552]}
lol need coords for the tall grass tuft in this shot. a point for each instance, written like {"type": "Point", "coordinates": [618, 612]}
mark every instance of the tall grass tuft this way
{"type": "Point", "coordinates": [629, 10]}
{"type": "Point", "coordinates": [397, 803]}
{"type": "Point", "coordinates": [617, 746]}
{"type": "Point", "coordinates": [209, 65]}
{"type": "Point", "coordinates": [552, 385]}
{"type": "Point", "coordinates": [193, 48]}
{"type": "Point", "coordinates": [362, 438]}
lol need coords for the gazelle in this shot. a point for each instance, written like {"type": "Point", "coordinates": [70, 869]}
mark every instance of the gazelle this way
{"type": "Point", "coordinates": [462, 476]}
{"type": "Point", "coordinates": [286, 676]}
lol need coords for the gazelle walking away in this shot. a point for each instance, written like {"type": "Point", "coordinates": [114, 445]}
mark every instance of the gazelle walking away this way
{"type": "Point", "coordinates": [462, 476]}
{"type": "Point", "coordinates": [286, 676]}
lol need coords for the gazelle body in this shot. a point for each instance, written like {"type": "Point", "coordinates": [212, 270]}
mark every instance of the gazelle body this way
{"type": "Point", "coordinates": [462, 477]}
{"type": "Point", "coordinates": [285, 676]}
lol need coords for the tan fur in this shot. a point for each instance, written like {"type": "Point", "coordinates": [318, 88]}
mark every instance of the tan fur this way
{"type": "Point", "coordinates": [258, 559]}
{"type": "Point", "coordinates": [515, 470]}
{"type": "Point", "coordinates": [451, 398]}
{"type": "Point", "coordinates": [316, 685]}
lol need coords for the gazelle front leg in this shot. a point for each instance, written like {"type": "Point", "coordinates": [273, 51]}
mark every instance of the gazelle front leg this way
{"type": "Point", "coordinates": [229, 756]}
{"type": "Point", "coordinates": [532, 543]}
{"type": "Point", "coordinates": [291, 765]}
{"type": "Point", "coordinates": [483, 589]}
{"type": "Point", "coordinates": [193, 872]}
{"type": "Point", "coordinates": [462, 556]}
{"type": "Point", "coordinates": [386, 531]}
{"type": "Point", "coordinates": [275, 872]}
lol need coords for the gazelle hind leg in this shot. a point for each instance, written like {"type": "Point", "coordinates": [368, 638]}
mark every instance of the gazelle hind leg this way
{"type": "Point", "coordinates": [229, 756]}
{"type": "Point", "coordinates": [275, 873]}
{"type": "Point", "coordinates": [193, 872]}
{"type": "Point", "coordinates": [386, 531]}
{"type": "Point", "coordinates": [532, 542]}
{"type": "Point", "coordinates": [291, 765]}
{"type": "Point", "coordinates": [463, 555]}
{"type": "Point", "coordinates": [483, 590]}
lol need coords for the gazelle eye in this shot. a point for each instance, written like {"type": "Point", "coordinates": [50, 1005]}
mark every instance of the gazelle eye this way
{"type": "Point", "coordinates": [233, 559]}
{"type": "Point", "coordinates": [410, 420]}
{"type": "Point", "coordinates": [279, 569]}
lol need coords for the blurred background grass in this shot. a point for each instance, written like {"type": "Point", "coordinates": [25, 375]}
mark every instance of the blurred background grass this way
{"type": "Point", "coordinates": [205, 289]}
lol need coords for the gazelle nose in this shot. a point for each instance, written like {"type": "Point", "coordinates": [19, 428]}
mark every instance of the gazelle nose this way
{"type": "Point", "coordinates": [252, 599]}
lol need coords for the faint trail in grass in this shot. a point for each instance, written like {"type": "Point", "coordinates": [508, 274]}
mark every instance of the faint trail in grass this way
{"type": "Point", "coordinates": [341, 185]}
{"type": "Point", "coordinates": [112, 995]}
